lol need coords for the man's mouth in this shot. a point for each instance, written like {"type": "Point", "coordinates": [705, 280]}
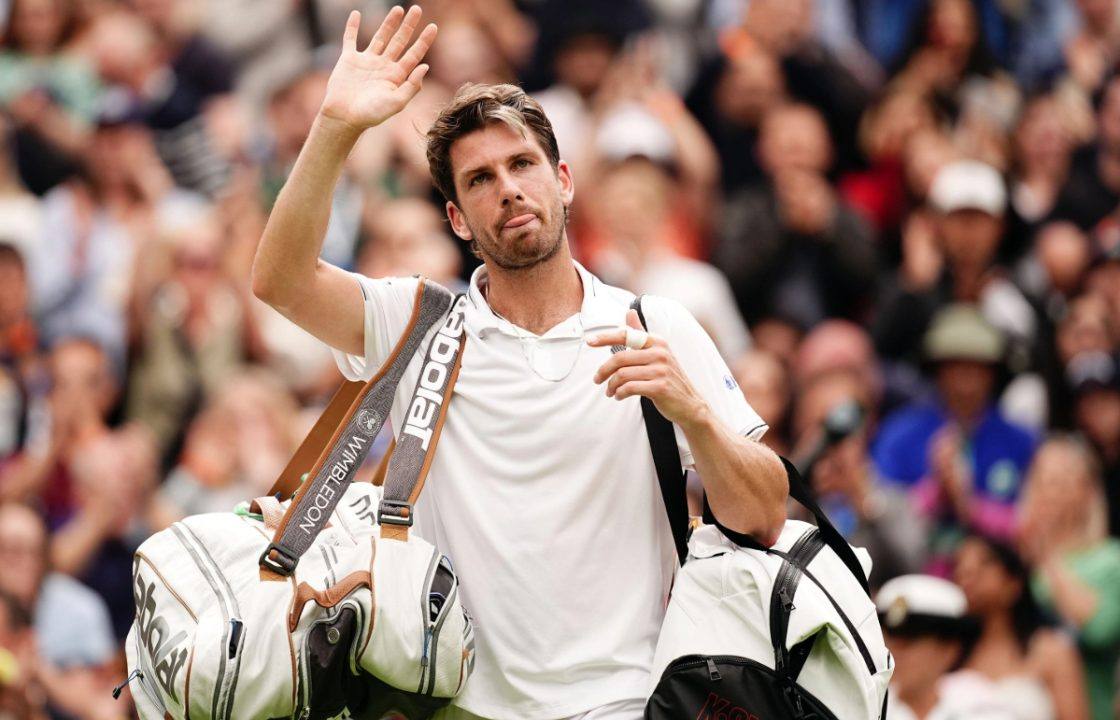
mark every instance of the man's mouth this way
{"type": "Point", "coordinates": [518, 221]}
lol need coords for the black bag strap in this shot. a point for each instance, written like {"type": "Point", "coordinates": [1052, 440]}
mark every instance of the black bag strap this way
{"type": "Point", "coordinates": [666, 460]}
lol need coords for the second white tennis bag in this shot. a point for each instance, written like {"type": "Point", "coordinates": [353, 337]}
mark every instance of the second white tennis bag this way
{"type": "Point", "coordinates": [322, 605]}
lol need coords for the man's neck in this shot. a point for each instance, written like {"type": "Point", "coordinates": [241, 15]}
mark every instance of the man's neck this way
{"type": "Point", "coordinates": [536, 298]}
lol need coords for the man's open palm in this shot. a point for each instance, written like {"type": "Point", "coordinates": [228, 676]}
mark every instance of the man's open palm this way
{"type": "Point", "coordinates": [369, 86]}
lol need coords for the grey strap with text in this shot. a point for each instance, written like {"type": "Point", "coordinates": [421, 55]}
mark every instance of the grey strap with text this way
{"type": "Point", "coordinates": [417, 438]}
{"type": "Point", "coordinates": [334, 471]}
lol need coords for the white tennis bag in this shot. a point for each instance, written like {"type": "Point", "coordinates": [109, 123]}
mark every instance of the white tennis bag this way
{"type": "Point", "coordinates": [324, 604]}
{"type": "Point", "coordinates": [754, 633]}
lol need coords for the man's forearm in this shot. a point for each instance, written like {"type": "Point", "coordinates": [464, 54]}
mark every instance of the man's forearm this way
{"type": "Point", "coordinates": [288, 254]}
{"type": "Point", "coordinates": [744, 480]}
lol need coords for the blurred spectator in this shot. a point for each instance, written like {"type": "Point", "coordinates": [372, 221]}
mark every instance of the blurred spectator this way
{"type": "Point", "coordinates": [879, 192]}
{"type": "Point", "coordinates": [1092, 191]}
{"type": "Point", "coordinates": [791, 245]}
{"type": "Point", "coordinates": [1063, 533]}
{"type": "Point", "coordinates": [1033, 668]}
{"type": "Point", "coordinates": [1043, 145]}
{"type": "Point", "coordinates": [929, 633]}
{"type": "Point", "coordinates": [1087, 327]}
{"type": "Point", "coordinates": [71, 622]}
{"type": "Point", "coordinates": [964, 460]}
{"type": "Point", "coordinates": [70, 417]}
{"type": "Point", "coordinates": [51, 95]}
{"type": "Point", "coordinates": [113, 479]}
{"type": "Point", "coordinates": [731, 103]}
{"type": "Point", "coordinates": [765, 382]}
{"type": "Point", "coordinates": [840, 346]}
{"type": "Point", "coordinates": [193, 333]}
{"type": "Point", "coordinates": [868, 512]}
{"type": "Point", "coordinates": [409, 236]}
{"type": "Point", "coordinates": [20, 697]}
{"type": "Point", "coordinates": [1094, 381]}
{"type": "Point", "coordinates": [631, 210]}
{"type": "Point", "coordinates": [784, 29]}
{"type": "Point", "coordinates": [168, 95]}
{"type": "Point", "coordinates": [1093, 51]}
{"type": "Point", "coordinates": [953, 259]}
{"type": "Point", "coordinates": [234, 450]}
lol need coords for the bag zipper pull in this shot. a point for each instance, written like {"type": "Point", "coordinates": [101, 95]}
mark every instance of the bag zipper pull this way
{"type": "Point", "coordinates": [427, 643]}
{"type": "Point", "coordinates": [131, 676]}
{"type": "Point", "coordinates": [713, 671]}
{"type": "Point", "coordinates": [787, 600]}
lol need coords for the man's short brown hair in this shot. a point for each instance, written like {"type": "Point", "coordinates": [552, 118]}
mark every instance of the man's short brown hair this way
{"type": "Point", "coordinates": [474, 107]}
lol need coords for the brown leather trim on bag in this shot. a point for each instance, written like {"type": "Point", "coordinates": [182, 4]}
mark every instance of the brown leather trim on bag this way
{"type": "Point", "coordinates": [327, 598]}
{"type": "Point", "coordinates": [324, 449]}
{"type": "Point", "coordinates": [316, 439]}
{"type": "Point", "coordinates": [170, 589]}
{"type": "Point", "coordinates": [382, 470]}
{"type": "Point", "coordinates": [372, 600]}
{"type": "Point", "coordinates": [400, 532]}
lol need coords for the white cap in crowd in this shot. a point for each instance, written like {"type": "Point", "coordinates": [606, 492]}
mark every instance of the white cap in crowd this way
{"type": "Point", "coordinates": [969, 185]}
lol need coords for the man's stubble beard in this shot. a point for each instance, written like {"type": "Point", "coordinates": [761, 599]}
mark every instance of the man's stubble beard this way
{"type": "Point", "coordinates": [492, 250]}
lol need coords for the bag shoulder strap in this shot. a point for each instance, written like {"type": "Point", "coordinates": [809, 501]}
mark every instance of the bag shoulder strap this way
{"type": "Point", "coordinates": [416, 442]}
{"type": "Point", "coordinates": [338, 460]}
{"type": "Point", "coordinates": [666, 461]}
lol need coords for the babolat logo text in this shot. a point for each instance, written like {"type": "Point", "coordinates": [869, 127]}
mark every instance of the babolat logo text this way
{"type": "Point", "coordinates": [167, 651]}
{"type": "Point", "coordinates": [425, 406]}
{"type": "Point", "coordinates": [325, 491]}
{"type": "Point", "coordinates": [720, 708]}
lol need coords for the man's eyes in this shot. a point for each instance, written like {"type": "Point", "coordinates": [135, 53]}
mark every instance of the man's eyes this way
{"type": "Point", "coordinates": [478, 179]}
{"type": "Point", "coordinates": [518, 164]}
{"type": "Point", "coordinates": [522, 163]}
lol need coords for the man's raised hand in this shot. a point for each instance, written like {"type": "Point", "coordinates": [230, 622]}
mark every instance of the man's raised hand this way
{"type": "Point", "coordinates": [369, 86]}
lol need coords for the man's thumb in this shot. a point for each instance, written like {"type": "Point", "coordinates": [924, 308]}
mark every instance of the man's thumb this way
{"type": "Point", "coordinates": [632, 319]}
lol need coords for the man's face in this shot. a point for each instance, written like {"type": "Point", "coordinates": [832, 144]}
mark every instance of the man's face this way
{"type": "Point", "coordinates": [512, 202]}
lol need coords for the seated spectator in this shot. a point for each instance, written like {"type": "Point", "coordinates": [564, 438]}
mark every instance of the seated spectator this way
{"type": "Point", "coordinates": [928, 631]}
{"type": "Point", "coordinates": [1063, 534]}
{"type": "Point", "coordinates": [1033, 667]}
{"type": "Point", "coordinates": [20, 698]}
{"type": "Point", "coordinates": [792, 245]}
{"type": "Point", "coordinates": [869, 513]}
{"type": "Point", "coordinates": [963, 458]}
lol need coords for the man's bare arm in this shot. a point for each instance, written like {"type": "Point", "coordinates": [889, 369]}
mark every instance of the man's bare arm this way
{"type": "Point", "coordinates": [366, 87]}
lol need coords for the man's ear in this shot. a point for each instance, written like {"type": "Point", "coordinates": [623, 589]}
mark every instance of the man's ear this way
{"type": "Point", "coordinates": [567, 184]}
{"type": "Point", "coordinates": [458, 222]}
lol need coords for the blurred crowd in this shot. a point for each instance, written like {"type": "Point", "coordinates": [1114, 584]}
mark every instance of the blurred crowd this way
{"type": "Point", "coordinates": [898, 219]}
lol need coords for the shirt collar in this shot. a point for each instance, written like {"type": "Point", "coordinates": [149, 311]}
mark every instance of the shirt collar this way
{"type": "Point", "coordinates": [596, 312]}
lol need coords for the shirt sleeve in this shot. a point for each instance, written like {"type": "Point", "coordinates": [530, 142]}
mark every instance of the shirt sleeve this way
{"type": "Point", "coordinates": [706, 370]}
{"type": "Point", "coordinates": [388, 308]}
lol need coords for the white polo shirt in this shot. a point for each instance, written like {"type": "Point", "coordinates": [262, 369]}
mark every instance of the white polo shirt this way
{"type": "Point", "coordinates": [544, 495]}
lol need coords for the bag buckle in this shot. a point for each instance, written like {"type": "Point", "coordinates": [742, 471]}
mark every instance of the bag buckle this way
{"type": "Point", "coordinates": [394, 512]}
{"type": "Point", "coordinates": [282, 564]}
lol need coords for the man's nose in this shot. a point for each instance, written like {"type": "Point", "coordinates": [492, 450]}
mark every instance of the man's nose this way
{"type": "Point", "coordinates": [510, 190]}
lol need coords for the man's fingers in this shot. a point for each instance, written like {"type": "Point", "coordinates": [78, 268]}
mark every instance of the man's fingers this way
{"type": "Point", "coordinates": [408, 89]}
{"type": "Point", "coordinates": [396, 46]}
{"type": "Point", "coordinates": [618, 337]}
{"type": "Point", "coordinates": [626, 359]}
{"type": "Point", "coordinates": [633, 320]}
{"type": "Point", "coordinates": [645, 388]}
{"type": "Point", "coordinates": [350, 34]}
{"type": "Point", "coordinates": [419, 48]}
{"type": "Point", "coordinates": [388, 26]}
{"type": "Point", "coordinates": [630, 374]}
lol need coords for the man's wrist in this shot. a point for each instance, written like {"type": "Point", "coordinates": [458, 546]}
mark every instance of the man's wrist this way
{"type": "Point", "coordinates": [336, 131]}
